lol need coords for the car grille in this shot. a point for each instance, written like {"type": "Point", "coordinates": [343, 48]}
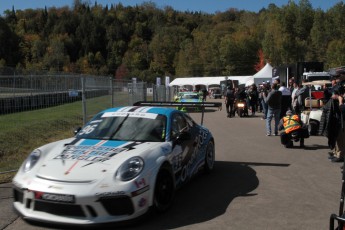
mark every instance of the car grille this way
{"type": "Point", "coordinates": [59, 209]}
{"type": "Point", "coordinates": [121, 205]}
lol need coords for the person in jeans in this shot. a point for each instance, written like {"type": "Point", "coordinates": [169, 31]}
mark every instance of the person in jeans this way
{"type": "Point", "coordinates": [273, 100]}
{"type": "Point", "coordinates": [264, 93]}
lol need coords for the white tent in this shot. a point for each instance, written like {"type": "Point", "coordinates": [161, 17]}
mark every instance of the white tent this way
{"type": "Point", "coordinates": [206, 81]}
{"type": "Point", "coordinates": [265, 74]}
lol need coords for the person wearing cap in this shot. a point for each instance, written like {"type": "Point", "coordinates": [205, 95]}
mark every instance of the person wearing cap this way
{"type": "Point", "coordinates": [289, 124]}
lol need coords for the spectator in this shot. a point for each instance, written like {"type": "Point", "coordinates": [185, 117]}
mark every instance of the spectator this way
{"type": "Point", "coordinates": [291, 123]}
{"type": "Point", "coordinates": [253, 96]}
{"type": "Point", "coordinates": [291, 84]}
{"type": "Point", "coordinates": [286, 99]}
{"type": "Point", "coordinates": [273, 101]}
{"type": "Point", "coordinates": [327, 93]}
{"type": "Point", "coordinates": [276, 80]}
{"type": "Point", "coordinates": [229, 101]}
{"type": "Point", "coordinates": [294, 98]}
{"type": "Point", "coordinates": [300, 95]}
{"type": "Point", "coordinates": [335, 132]}
{"type": "Point", "coordinates": [263, 93]}
{"type": "Point", "coordinates": [204, 94]}
{"type": "Point", "coordinates": [240, 94]}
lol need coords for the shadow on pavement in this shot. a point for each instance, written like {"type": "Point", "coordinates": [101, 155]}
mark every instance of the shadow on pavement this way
{"type": "Point", "coordinates": [206, 197]}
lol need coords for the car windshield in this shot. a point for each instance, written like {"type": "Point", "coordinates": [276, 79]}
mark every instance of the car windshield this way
{"type": "Point", "coordinates": [190, 96]}
{"type": "Point", "coordinates": [126, 127]}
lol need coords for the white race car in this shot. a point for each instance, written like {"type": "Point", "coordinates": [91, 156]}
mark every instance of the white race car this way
{"type": "Point", "coordinates": [122, 163]}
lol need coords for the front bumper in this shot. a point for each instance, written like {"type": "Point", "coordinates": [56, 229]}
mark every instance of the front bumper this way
{"type": "Point", "coordinates": [85, 207]}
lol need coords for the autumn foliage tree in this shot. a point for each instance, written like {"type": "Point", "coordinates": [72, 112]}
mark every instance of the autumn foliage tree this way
{"type": "Point", "coordinates": [146, 42]}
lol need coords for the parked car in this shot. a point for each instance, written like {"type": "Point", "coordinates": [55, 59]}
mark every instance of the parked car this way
{"type": "Point", "coordinates": [216, 92]}
{"type": "Point", "coordinates": [121, 164]}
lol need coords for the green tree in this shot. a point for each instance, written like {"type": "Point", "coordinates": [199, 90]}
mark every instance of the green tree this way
{"type": "Point", "coordinates": [9, 48]}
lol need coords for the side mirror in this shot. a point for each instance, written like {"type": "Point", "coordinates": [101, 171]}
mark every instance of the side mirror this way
{"type": "Point", "coordinates": [76, 131]}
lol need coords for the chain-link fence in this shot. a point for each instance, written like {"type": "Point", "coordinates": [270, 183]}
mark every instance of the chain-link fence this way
{"type": "Point", "coordinates": [38, 109]}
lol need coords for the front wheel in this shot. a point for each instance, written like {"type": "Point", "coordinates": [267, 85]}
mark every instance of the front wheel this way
{"type": "Point", "coordinates": [209, 157]}
{"type": "Point", "coordinates": [164, 190]}
{"type": "Point", "coordinates": [240, 112]}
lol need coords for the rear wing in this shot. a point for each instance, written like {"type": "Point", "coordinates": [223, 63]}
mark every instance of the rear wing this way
{"type": "Point", "coordinates": [201, 105]}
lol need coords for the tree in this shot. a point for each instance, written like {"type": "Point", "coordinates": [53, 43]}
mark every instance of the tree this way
{"type": "Point", "coordinates": [9, 48]}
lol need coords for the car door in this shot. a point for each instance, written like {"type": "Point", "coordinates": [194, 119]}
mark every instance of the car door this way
{"type": "Point", "coordinates": [184, 137]}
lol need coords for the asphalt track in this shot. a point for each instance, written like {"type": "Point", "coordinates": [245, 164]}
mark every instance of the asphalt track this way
{"type": "Point", "coordinates": [257, 184]}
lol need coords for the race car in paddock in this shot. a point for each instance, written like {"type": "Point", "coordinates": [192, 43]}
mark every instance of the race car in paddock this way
{"type": "Point", "coordinates": [121, 164]}
{"type": "Point", "coordinates": [189, 97]}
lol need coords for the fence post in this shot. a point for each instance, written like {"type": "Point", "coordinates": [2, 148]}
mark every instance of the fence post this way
{"type": "Point", "coordinates": [112, 92]}
{"type": "Point", "coordinates": [83, 98]}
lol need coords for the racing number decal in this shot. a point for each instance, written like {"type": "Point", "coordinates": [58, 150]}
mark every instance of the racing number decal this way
{"type": "Point", "coordinates": [88, 129]}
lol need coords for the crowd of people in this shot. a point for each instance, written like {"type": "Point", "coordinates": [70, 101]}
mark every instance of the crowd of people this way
{"type": "Point", "coordinates": [284, 104]}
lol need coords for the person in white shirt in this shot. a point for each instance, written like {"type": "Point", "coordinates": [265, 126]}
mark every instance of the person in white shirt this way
{"type": "Point", "coordinates": [286, 99]}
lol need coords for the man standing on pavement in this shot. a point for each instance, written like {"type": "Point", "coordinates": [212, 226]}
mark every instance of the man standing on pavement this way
{"type": "Point", "coordinates": [339, 148]}
{"type": "Point", "coordinates": [229, 101]}
{"type": "Point", "coordinates": [273, 101]}
{"type": "Point", "coordinates": [262, 94]}
{"type": "Point", "coordinates": [301, 94]}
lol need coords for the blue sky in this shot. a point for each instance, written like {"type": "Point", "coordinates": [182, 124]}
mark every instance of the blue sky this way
{"type": "Point", "coordinates": [208, 6]}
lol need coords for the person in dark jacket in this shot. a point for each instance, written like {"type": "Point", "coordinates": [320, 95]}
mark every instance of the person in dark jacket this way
{"type": "Point", "coordinates": [229, 101]}
{"type": "Point", "coordinates": [301, 94]}
{"type": "Point", "coordinates": [253, 97]}
{"type": "Point", "coordinates": [273, 100]}
{"type": "Point", "coordinates": [338, 130]}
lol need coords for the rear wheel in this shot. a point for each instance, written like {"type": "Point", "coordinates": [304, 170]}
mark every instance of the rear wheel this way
{"type": "Point", "coordinates": [209, 157]}
{"type": "Point", "coordinates": [164, 190]}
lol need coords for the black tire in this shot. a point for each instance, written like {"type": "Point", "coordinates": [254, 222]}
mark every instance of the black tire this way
{"type": "Point", "coordinates": [289, 144]}
{"type": "Point", "coordinates": [209, 157]}
{"type": "Point", "coordinates": [313, 128]}
{"type": "Point", "coordinates": [164, 190]}
{"type": "Point", "coordinates": [240, 113]}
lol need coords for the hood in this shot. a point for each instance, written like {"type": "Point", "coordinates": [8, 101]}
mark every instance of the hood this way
{"type": "Point", "coordinates": [87, 160]}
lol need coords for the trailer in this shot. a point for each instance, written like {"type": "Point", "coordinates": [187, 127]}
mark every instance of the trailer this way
{"type": "Point", "coordinates": [296, 70]}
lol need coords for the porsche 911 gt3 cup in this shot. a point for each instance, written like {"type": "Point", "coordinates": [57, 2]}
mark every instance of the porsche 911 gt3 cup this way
{"type": "Point", "coordinates": [189, 97]}
{"type": "Point", "coordinates": [123, 162]}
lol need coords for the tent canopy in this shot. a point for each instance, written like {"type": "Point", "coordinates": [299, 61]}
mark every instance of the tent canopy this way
{"type": "Point", "coordinates": [265, 74]}
{"type": "Point", "coordinates": [206, 81]}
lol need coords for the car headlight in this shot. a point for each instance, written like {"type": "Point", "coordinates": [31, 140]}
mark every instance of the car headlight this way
{"type": "Point", "coordinates": [31, 160]}
{"type": "Point", "coordinates": [130, 169]}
